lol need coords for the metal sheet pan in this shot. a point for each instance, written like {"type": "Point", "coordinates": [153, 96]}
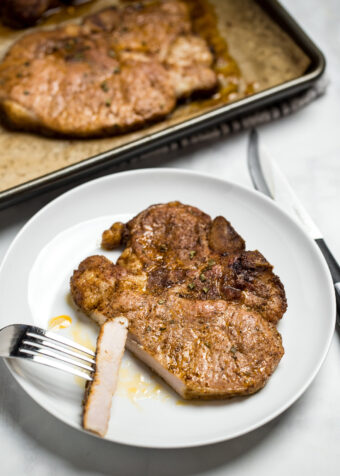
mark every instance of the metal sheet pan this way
{"type": "Point", "coordinates": [268, 45]}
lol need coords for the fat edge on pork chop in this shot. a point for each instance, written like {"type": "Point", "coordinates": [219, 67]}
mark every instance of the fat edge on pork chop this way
{"type": "Point", "coordinates": [202, 309]}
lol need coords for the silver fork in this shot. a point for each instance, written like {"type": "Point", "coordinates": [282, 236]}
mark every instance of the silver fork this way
{"type": "Point", "coordinates": [47, 348]}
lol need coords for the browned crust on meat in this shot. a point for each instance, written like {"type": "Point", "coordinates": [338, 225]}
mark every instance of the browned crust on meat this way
{"type": "Point", "coordinates": [223, 238]}
{"type": "Point", "coordinates": [218, 349]}
{"type": "Point", "coordinates": [178, 245]}
{"type": "Point", "coordinates": [66, 82]}
{"type": "Point", "coordinates": [113, 237]}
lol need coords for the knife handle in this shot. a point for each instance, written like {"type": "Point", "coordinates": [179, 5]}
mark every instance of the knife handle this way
{"type": "Point", "coordinates": [334, 269]}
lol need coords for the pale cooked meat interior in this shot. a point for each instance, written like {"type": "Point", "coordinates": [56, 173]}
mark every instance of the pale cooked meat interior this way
{"type": "Point", "coordinates": [99, 392]}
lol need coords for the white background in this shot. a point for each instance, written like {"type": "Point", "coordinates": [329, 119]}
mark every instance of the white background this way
{"type": "Point", "coordinates": [306, 438]}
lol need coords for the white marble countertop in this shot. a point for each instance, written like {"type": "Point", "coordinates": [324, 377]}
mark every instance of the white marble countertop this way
{"type": "Point", "coordinates": [306, 438]}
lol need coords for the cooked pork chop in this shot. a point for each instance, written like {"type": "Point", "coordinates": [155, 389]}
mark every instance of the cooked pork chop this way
{"type": "Point", "coordinates": [120, 70]}
{"type": "Point", "coordinates": [99, 392]}
{"type": "Point", "coordinates": [69, 83]}
{"type": "Point", "coordinates": [163, 31]}
{"type": "Point", "coordinates": [201, 309]}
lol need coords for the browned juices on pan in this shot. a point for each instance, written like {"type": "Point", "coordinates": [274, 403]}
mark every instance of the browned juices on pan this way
{"type": "Point", "coordinates": [228, 73]}
{"type": "Point", "coordinates": [202, 309]}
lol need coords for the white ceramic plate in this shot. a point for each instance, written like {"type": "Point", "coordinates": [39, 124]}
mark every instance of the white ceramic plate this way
{"type": "Point", "coordinates": [34, 283]}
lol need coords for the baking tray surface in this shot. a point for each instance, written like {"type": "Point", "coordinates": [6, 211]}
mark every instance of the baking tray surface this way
{"type": "Point", "coordinates": [274, 58]}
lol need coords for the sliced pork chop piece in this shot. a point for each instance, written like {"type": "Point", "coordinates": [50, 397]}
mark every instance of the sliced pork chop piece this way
{"type": "Point", "coordinates": [99, 392]}
{"type": "Point", "coordinates": [202, 348]}
{"type": "Point", "coordinates": [206, 349]}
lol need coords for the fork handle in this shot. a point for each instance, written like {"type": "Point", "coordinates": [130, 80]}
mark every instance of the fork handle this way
{"type": "Point", "coordinates": [334, 269]}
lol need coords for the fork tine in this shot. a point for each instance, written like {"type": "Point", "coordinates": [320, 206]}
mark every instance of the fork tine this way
{"type": "Point", "coordinates": [38, 333]}
{"type": "Point", "coordinates": [59, 348]}
{"type": "Point", "coordinates": [54, 355]}
{"type": "Point", "coordinates": [30, 355]}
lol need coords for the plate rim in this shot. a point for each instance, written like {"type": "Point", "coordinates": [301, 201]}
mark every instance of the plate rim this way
{"type": "Point", "coordinates": [165, 171]}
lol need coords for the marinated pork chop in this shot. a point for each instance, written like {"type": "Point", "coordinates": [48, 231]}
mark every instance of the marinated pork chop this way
{"type": "Point", "coordinates": [200, 308]}
{"type": "Point", "coordinates": [69, 83]}
{"type": "Point", "coordinates": [163, 31]}
{"type": "Point", "coordinates": [99, 392]}
{"type": "Point", "coordinates": [120, 70]}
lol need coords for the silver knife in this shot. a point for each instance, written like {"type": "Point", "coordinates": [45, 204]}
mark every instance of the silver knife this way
{"type": "Point", "coordinates": [268, 179]}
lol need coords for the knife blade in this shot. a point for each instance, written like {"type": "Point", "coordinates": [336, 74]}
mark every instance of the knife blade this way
{"type": "Point", "coordinates": [268, 179]}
